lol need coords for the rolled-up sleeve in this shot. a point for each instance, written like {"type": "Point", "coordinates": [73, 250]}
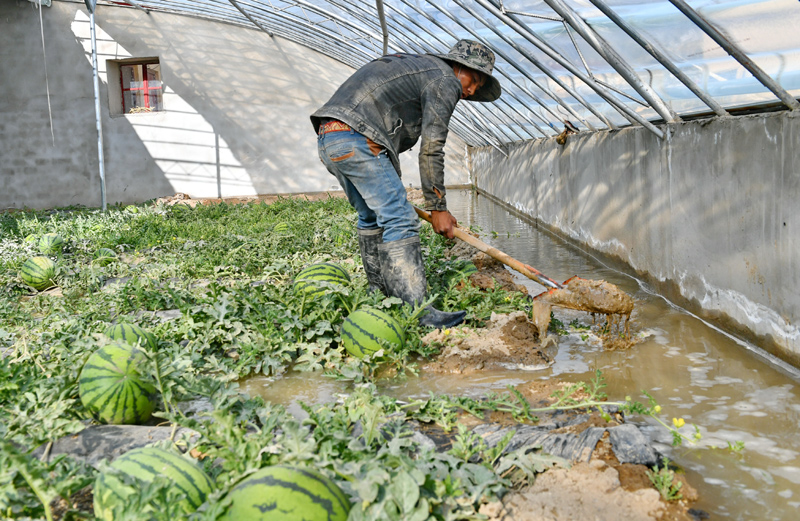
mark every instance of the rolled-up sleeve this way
{"type": "Point", "coordinates": [439, 100]}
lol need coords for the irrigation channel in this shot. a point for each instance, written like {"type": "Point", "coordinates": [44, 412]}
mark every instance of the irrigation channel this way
{"type": "Point", "coordinates": [692, 369]}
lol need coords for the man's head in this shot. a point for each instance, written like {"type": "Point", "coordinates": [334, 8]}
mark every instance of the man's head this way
{"type": "Point", "coordinates": [471, 80]}
{"type": "Point", "coordinates": [476, 61]}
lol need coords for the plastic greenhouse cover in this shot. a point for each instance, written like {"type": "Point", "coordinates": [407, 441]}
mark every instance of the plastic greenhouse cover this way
{"type": "Point", "coordinates": [349, 31]}
{"type": "Point", "coordinates": [765, 30]}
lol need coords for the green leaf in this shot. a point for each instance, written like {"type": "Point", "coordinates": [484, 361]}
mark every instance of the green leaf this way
{"type": "Point", "coordinates": [405, 491]}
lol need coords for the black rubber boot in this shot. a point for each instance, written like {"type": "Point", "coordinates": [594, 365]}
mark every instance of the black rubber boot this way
{"type": "Point", "coordinates": [404, 277]}
{"type": "Point", "coordinates": [368, 241]}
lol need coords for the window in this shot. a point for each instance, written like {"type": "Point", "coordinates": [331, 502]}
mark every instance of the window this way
{"type": "Point", "coordinates": [141, 87]}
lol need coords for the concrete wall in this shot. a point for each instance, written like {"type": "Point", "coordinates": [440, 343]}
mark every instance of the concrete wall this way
{"type": "Point", "coordinates": [236, 121]}
{"type": "Point", "coordinates": [709, 214]}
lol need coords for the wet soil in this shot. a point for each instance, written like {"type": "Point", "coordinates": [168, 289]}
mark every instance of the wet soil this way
{"type": "Point", "coordinates": [508, 341]}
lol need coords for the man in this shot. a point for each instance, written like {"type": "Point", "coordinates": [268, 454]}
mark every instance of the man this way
{"type": "Point", "coordinates": [382, 110]}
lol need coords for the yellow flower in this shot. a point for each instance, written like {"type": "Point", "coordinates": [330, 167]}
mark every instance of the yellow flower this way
{"type": "Point", "coordinates": [657, 408]}
{"type": "Point", "coordinates": [678, 422]}
{"type": "Point", "coordinates": [446, 332]}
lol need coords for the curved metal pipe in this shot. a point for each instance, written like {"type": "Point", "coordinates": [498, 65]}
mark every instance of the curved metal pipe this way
{"type": "Point", "coordinates": [662, 58]}
{"type": "Point", "coordinates": [737, 54]}
{"type": "Point", "coordinates": [526, 33]}
{"type": "Point", "coordinates": [613, 58]}
{"type": "Point", "coordinates": [382, 18]}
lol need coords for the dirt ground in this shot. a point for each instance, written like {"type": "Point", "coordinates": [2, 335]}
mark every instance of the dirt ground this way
{"type": "Point", "coordinates": [601, 489]}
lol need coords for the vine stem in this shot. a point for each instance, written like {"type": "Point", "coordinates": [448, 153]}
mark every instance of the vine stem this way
{"type": "Point", "coordinates": [161, 385]}
{"type": "Point", "coordinates": [36, 490]}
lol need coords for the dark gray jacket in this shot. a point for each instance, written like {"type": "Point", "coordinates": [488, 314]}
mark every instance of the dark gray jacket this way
{"type": "Point", "coordinates": [396, 100]}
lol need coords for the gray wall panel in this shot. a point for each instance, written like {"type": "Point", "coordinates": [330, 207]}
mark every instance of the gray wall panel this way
{"type": "Point", "coordinates": [708, 214]}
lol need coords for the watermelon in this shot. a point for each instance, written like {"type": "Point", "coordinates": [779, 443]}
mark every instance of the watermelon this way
{"type": "Point", "coordinates": [146, 463]}
{"type": "Point", "coordinates": [280, 493]}
{"type": "Point", "coordinates": [50, 243]}
{"type": "Point", "coordinates": [104, 256]}
{"type": "Point", "coordinates": [461, 270]}
{"type": "Point", "coordinates": [111, 387]}
{"type": "Point", "coordinates": [281, 227]}
{"type": "Point", "coordinates": [323, 271]}
{"type": "Point", "coordinates": [132, 334]}
{"type": "Point", "coordinates": [38, 273]}
{"type": "Point", "coordinates": [363, 328]}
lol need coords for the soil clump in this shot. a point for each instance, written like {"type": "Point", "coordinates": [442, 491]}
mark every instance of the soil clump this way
{"type": "Point", "coordinates": [508, 341]}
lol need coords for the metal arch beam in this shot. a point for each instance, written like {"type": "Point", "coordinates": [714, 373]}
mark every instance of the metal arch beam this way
{"type": "Point", "coordinates": [662, 58]}
{"type": "Point", "coordinates": [608, 53]}
{"type": "Point", "coordinates": [422, 47]}
{"type": "Point", "coordinates": [534, 39]}
{"type": "Point", "coordinates": [244, 13]}
{"type": "Point", "coordinates": [293, 21]}
{"type": "Point", "coordinates": [353, 27]}
{"type": "Point", "coordinates": [737, 54]}
{"type": "Point", "coordinates": [384, 30]}
{"type": "Point", "coordinates": [400, 35]}
{"type": "Point", "coordinates": [533, 80]}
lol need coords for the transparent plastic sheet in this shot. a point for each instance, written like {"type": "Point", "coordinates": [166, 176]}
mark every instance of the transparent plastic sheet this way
{"type": "Point", "coordinates": [348, 30]}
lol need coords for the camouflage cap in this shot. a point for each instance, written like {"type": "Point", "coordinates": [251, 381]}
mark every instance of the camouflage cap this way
{"type": "Point", "coordinates": [479, 57]}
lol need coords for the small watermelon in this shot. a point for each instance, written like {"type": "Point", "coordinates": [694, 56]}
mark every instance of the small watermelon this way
{"type": "Point", "coordinates": [51, 243]}
{"type": "Point", "coordinates": [111, 388]}
{"type": "Point", "coordinates": [325, 272]}
{"type": "Point", "coordinates": [132, 334]}
{"type": "Point", "coordinates": [363, 328]}
{"type": "Point", "coordinates": [281, 227]}
{"type": "Point", "coordinates": [461, 270]}
{"type": "Point", "coordinates": [104, 256]}
{"type": "Point", "coordinates": [146, 463]}
{"type": "Point", "coordinates": [281, 493]}
{"type": "Point", "coordinates": [38, 273]}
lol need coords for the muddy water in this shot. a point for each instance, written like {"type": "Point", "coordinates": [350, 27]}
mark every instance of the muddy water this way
{"type": "Point", "coordinates": [693, 370]}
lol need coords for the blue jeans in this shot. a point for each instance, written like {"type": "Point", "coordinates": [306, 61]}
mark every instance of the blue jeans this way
{"type": "Point", "coordinates": [371, 183]}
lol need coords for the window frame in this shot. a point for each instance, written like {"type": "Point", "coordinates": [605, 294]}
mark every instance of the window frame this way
{"type": "Point", "coordinates": [142, 63]}
{"type": "Point", "coordinates": [114, 84]}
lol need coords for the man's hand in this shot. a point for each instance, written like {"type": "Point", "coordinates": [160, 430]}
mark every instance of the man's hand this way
{"type": "Point", "coordinates": [443, 223]}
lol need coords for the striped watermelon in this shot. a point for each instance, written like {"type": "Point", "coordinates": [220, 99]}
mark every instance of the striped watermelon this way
{"type": "Point", "coordinates": [111, 387]}
{"type": "Point", "coordinates": [363, 328]}
{"type": "Point", "coordinates": [38, 273]}
{"type": "Point", "coordinates": [461, 269]}
{"type": "Point", "coordinates": [104, 256]}
{"type": "Point", "coordinates": [146, 463]}
{"type": "Point", "coordinates": [132, 334]}
{"type": "Point", "coordinates": [281, 493]}
{"type": "Point", "coordinates": [323, 271]}
{"type": "Point", "coordinates": [51, 243]}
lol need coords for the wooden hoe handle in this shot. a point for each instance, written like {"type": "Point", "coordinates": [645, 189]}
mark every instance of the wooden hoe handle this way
{"type": "Point", "coordinates": [529, 271]}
